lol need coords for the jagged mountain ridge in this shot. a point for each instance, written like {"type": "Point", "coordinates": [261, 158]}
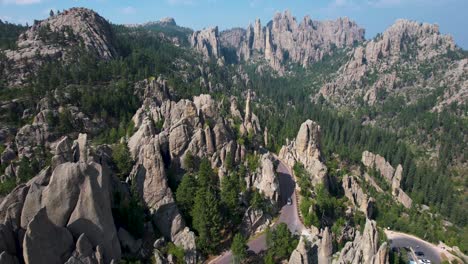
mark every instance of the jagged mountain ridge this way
{"type": "Point", "coordinates": [55, 37]}
{"type": "Point", "coordinates": [167, 131]}
{"type": "Point", "coordinates": [397, 62]}
{"type": "Point", "coordinates": [281, 40]}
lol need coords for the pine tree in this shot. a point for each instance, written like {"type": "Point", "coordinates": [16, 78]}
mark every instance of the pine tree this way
{"type": "Point", "coordinates": [123, 160]}
{"type": "Point", "coordinates": [207, 219]}
{"type": "Point", "coordinates": [185, 193]}
{"type": "Point", "coordinates": [239, 248]}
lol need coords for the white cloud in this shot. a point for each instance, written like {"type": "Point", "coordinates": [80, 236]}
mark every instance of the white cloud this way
{"type": "Point", "coordinates": [21, 2]}
{"type": "Point", "coordinates": [395, 3]}
{"type": "Point", "coordinates": [129, 10]}
{"type": "Point", "coordinates": [255, 3]}
{"type": "Point", "coordinates": [385, 3]}
{"type": "Point", "coordinates": [181, 2]}
{"type": "Point", "coordinates": [340, 5]}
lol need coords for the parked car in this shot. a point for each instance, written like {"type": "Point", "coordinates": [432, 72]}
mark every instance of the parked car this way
{"type": "Point", "coordinates": [289, 201]}
{"type": "Point", "coordinates": [424, 261]}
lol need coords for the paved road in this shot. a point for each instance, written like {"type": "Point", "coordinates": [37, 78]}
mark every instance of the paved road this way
{"type": "Point", "coordinates": [400, 240]}
{"type": "Point", "coordinates": [288, 214]}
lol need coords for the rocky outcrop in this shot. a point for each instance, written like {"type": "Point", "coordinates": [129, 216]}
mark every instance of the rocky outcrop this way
{"type": "Point", "coordinates": [303, 254]}
{"type": "Point", "coordinates": [389, 63]}
{"type": "Point", "coordinates": [254, 221]}
{"type": "Point", "coordinates": [357, 196]}
{"type": "Point", "coordinates": [61, 204]}
{"type": "Point", "coordinates": [267, 182]}
{"type": "Point", "coordinates": [54, 37]}
{"type": "Point", "coordinates": [84, 252]}
{"type": "Point", "coordinates": [284, 40]}
{"type": "Point", "coordinates": [305, 149]}
{"type": "Point", "coordinates": [391, 175]}
{"type": "Point", "coordinates": [250, 124]}
{"type": "Point", "coordinates": [183, 128]}
{"type": "Point", "coordinates": [365, 248]}
{"type": "Point", "coordinates": [207, 42]}
{"type": "Point", "coordinates": [45, 242]}
{"type": "Point", "coordinates": [317, 249]}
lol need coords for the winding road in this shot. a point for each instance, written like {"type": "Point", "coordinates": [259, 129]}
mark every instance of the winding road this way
{"type": "Point", "coordinates": [288, 214]}
{"type": "Point", "coordinates": [402, 240]}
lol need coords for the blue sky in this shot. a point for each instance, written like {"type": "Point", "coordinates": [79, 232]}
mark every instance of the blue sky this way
{"type": "Point", "coordinates": [374, 15]}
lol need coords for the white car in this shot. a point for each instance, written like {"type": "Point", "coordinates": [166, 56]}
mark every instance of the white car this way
{"type": "Point", "coordinates": [424, 261]}
{"type": "Point", "coordinates": [289, 201]}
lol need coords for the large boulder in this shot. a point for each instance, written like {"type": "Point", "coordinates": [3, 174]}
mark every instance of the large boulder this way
{"type": "Point", "coordinates": [84, 253]}
{"type": "Point", "coordinates": [45, 242]}
{"type": "Point", "coordinates": [7, 239]}
{"type": "Point", "coordinates": [254, 221]}
{"type": "Point", "coordinates": [76, 196]}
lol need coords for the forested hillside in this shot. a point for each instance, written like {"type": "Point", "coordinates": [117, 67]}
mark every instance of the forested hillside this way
{"type": "Point", "coordinates": [171, 141]}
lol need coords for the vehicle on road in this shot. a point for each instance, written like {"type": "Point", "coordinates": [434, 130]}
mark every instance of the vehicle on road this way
{"type": "Point", "coordinates": [289, 201]}
{"type": "Point", "coordinates": [424, 261]}
{"type": "Point", "coordinates": [419, 253]}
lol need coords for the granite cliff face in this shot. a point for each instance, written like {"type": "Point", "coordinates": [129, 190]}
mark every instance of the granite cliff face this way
{"type": "Point", "coordinates": [364, 248]}
{"type": "Point", "coordinates": [305, 149]}
{"type": "Point", "coordinates": [55, 37]}
{"type": "Point", "coordinates": [67, 202]}
{"type": "Point", "coordinates": [391, 175]}
{"type": "Point", "coordinates": [393, 63]}
{"type": "Point", "coordinates": [282, 40]}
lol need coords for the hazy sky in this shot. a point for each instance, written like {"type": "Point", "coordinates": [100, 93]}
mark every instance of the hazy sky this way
{"type": "Point", "coordinates": [374, 15]}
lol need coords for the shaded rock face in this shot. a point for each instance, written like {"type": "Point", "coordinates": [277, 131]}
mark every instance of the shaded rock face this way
{"type": "Point", "coordinates": [254, 220]}
{"type": "Point", "coordinates": [303, 254]}
{"type": "Point", "coordinates": [391, 175]}
{"type": "Point", "coordinates": [267, 182]}
{"type": "Point", "coordinates": [364, 248]}
{"type": "Point", "coordinates": [38, 245]}
{"type": "Point", "coordinates": [206, 41]}
{"type": "Point", "coordinates": [318, 249]}
{"type": "Point", "coordinates": [68, 29]}
{"type": "Point", "coordinates": [63, 203]}
{"type": "Point", "coordinates": [357, 196]}
{"type": "Point", "coordinates": [284, 39]}
{"type": "Point", "coordinates": [306, 150]}
{"type": "Point", "coordinates": [379, 67]}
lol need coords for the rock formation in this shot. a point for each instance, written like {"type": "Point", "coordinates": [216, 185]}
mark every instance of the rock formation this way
{"type": "Point", "coordinates": [305, 149]}
{"type": "Point", "coordinates": [38, 245]}
{"type": "Point", "coordinates": [391, 175]}
{"type": "Point", "coordinates": [382, 66]}
{"type": "Point", "coordinates": [357, 196]}
{"type": "Point", "coordinates": [318, 249]}
{"type": "Point", "coordinates": [206, 41]}
{"type": "Point", "coordinates": [63, 204]}
{"type": "Point", "coordinates": [282, 40]}
{"type": "Point", "coordinates": [166, 132]}
{"type": "Point", "coordinates": [254, 221]}
{"type": "Point", "coordinates": [54, 37]}
{"type": "Point", "coordinates": [267, 181]}
{"type": "Point", "coordinates": [365, 248]}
